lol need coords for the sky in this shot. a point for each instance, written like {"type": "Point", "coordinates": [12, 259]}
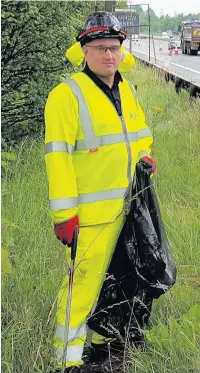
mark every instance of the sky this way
{"type": "Point", "coordinates": [171, 6]}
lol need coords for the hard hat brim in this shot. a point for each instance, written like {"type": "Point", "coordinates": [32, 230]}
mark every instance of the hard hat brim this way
{"type": "Point", "coordinates": [100, 33]}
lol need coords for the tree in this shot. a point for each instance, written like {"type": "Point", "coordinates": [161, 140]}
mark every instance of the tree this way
{"type": "Point", "coordinates": [121, 4]}
{"type": "Point", "coordinates": [35, 36]}
{"type": "Point", "coordinates": [138, 9]}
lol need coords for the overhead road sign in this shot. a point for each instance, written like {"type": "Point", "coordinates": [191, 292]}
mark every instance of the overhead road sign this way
{"type": "Point", "coordinates": [129, 21]}
{"type": "Point", "coordinates": [132, 30]}
{"type": "Point", "coordinates": [127, 10]}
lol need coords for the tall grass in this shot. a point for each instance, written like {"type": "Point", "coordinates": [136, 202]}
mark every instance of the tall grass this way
{"type": "Point", "coordinates": [29, 292]}
{"type": "Point", "coordinates": [176, 132]}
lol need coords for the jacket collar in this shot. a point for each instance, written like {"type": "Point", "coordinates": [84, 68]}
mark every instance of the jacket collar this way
{"type": "Point", "coordinates": [118, 78]}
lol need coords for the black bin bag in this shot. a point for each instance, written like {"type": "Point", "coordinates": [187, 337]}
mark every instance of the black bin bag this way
{"type": "Point", "coordinates": [142, 267]}
{"type": "Point", "coordinates": [146, 242]}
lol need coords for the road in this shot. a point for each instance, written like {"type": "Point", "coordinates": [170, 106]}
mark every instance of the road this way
{"type": "Point", "coordinates": [184, 66]}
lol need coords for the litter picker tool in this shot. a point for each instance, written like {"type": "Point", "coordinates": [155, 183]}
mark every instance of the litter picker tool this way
{"type": "Point", "coordinates": [69, 298]}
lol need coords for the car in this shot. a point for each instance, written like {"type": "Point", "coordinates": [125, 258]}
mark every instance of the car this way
{"type": "Point", "coordinates": [165, 35]}
{"type": "Point", "coordinates": [135, 37]}
{"type": "Point", "coordinates": [178, 43]}
{"type": "Point", "coordinates": [172, 45]}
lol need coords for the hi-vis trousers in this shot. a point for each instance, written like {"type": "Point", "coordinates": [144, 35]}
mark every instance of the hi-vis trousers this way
{"type": "Point", "coordinates": [96, 245]}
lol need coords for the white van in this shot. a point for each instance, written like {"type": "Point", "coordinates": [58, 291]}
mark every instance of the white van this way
{"type": "Point", "coordinates": [165, 35]}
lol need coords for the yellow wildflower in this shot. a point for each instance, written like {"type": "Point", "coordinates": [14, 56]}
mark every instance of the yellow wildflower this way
{"type": "Point", "coordinates": [158, 109]}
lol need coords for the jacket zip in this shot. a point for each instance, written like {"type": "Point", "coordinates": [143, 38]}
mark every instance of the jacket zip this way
{"type": "Point", "coordinates": [128, 194]}
{"type": "Point", "coordinates": [128, 151]}
{"type": "Point", "coordinates": [126, 141]}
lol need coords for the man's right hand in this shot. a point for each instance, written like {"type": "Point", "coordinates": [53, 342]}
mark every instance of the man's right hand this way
{"type": "Point", "coordinates": [65, 231]}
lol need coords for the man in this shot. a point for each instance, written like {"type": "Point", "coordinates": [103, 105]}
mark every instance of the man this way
{"type": "Point", "coordinates": [95, 135]}
{"type": "Point", "coordinates": [76, 56]}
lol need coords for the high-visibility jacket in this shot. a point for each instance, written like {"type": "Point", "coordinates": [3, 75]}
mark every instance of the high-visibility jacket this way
{"type": "Point", "coordinates": [76, 56]}
{"type": "Point", "coordinates": [91, 151]}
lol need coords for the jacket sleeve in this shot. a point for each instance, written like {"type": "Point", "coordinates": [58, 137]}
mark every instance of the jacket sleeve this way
{"type": "Point", "coordinates": [127, 60]}
{"type": "Point", "coordinates": [61, 126]}
{"type": "Point", "coordinates": [145, 137]}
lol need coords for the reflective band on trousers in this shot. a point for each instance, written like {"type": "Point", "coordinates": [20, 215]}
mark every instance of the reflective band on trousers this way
{"type": "Point", "coordinates": [74, 333]}
{"type": "Point", "coordinates": [74, 353]}
{"type": "Point", "coordinates": [58, 146]}
{"type": "Point", "coordinates": [66, 203]}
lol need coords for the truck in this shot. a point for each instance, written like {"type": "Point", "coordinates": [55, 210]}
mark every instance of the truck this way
{"type": "Point", "coordinates": [190, 37]}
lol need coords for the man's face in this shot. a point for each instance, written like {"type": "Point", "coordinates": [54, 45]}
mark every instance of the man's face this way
{"type": "Point", "coordinates": [103, 61]}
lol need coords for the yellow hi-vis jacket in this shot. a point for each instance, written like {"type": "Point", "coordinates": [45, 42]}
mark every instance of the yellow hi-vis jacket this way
{"type": "Point", "coordinates": [76, 56]}
{"type": "Point", "coordinates": [91, 152]}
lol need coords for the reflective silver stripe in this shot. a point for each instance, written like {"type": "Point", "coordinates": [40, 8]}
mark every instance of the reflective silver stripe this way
{"type": "Point", "coordinates": [133, 92]}
{"type": "Point", "coordinates": [143, 153]}
{"type": "Point", "coordinates": [133, 136]}
{"type": "Point", "coordinates": [129, 176]}
{"type": "Point", "coordinates": [58, 146]}
{"type": "Point", "coordinates": [74, 353]}
{"type": "Point", "coordinates": [105, 140]}
{"type": "Point", "coordinates": [74, 333]}
{"type": "Point", "coordinates": [124, 54]}
{"type": "Point", "coordinates": [83, 112]}
{"type": "Point", "coordinates": [63, 203]}
{"type": "Point", "coordinates": [101, 196]}
{"type": "Point", "coordinates": [61, 146]}
{"type": "Point", "coordinates": [66, 203]}
{"type": "Point", "coordinates": [90, 141]}
{"type": "Point", "coordinates": [144, 133]}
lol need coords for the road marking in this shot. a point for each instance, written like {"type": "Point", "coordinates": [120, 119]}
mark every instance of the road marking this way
{"type": "Point", "coordinates": [186, 68]}
{"type": "Point", "coordinates": [146, 54]}
{"type": "Point", "coordinates": [172, 63]}
{"type": "Point", "coordinates": [160, 59]}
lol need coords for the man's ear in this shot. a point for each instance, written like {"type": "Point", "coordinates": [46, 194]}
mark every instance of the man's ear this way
{"type": "Point", "coordinates": [85, 50]}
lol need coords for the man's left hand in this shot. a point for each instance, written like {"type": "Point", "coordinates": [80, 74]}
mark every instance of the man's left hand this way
{"type": "Point", "coordinates": [148, 159]}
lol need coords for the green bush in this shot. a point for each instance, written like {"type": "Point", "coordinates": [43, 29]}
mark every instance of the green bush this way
{"type": "Point", "coordinates": [35, 36]}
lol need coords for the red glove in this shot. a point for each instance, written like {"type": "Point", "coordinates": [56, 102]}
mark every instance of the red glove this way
{"type": "Point", "coordinates": [151, 161]}
{"type": "Point", "coordinates": [65, 231]}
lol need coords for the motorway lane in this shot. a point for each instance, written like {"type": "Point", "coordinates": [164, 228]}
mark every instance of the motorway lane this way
{"type": "Point", "coordinates": [184, 66]}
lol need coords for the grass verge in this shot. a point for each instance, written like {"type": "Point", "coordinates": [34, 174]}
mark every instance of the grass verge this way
{"type": "Point", "coordinates": [30, 287]}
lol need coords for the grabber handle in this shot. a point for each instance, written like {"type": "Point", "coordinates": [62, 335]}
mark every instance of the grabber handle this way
{"type": "Point", "coordinates": [74, 243]}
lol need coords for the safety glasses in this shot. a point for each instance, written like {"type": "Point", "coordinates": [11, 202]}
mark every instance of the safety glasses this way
{"type": "Point", "coordinates": [101, 49]}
